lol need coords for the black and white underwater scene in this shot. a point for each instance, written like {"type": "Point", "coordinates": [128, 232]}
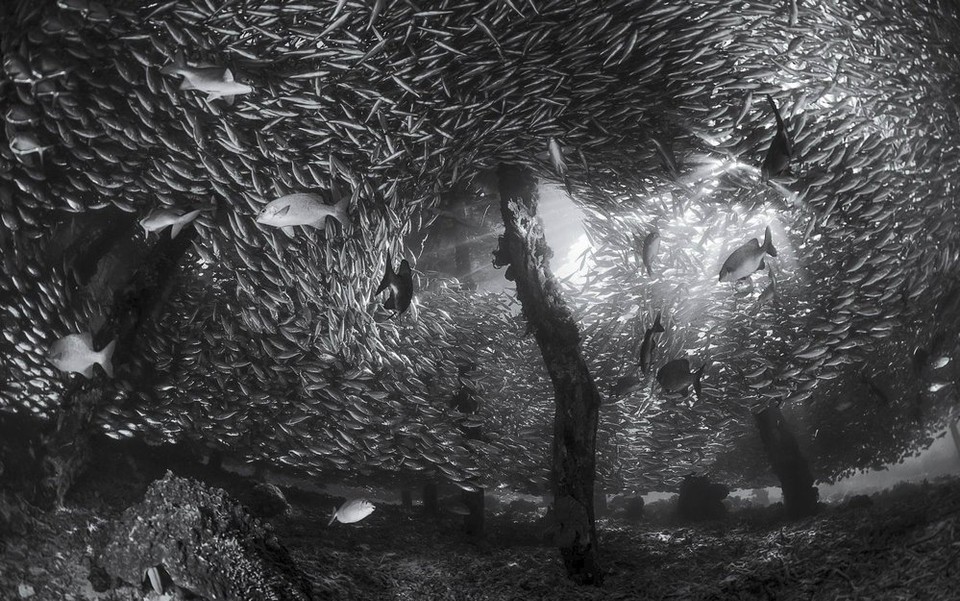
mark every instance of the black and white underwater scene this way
{"type": "Point", "coordinates": [479, 300]}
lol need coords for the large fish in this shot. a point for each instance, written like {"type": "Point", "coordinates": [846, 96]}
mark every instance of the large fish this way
{"type": "Point", "coordinates": [215, 82]}
{"type": "Point", "coordinates": [352, 511]}
{"type": "Point", "coordinates": [777, 161]}
{"type": "Point", "coordinates": [676, 376]}
{"type": "Point", "coordinates": [158, 219]}
{"type": "Point", "coordinates": [75, 354]}
{"type": "Point", "coordinates": [649, 344]}
{"type": "Point", "coordinates": [301, 209]}
{"type": "Point", "coordinates": [400, 284]}
{"type": "Point", "coordinates": [651, 245]}
{"type": "Point", "coordinates": [747, 259]}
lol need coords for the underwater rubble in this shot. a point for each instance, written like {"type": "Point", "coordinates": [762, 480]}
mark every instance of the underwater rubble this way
{"type": "Point", "coordinates": [206, 542]}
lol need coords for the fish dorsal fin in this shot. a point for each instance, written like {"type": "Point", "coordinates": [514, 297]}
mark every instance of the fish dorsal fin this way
{"type": "Point", "coordinates": [227, 75]}
{"type": "Point", "coordinates": [86, 338]}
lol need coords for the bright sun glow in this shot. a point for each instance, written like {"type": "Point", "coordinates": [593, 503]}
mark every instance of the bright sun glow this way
{"type": "Point", "coordinates": [563, 227]}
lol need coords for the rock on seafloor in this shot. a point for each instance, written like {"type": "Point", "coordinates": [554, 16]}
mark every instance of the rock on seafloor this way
{"type": "Point", "coordinates": [206, 542]}
{"type": "Point", "coordinates": [266, 501]}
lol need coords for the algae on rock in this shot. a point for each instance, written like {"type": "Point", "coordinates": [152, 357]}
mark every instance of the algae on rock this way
{"type": "Point", "coordinates": [206, 542]}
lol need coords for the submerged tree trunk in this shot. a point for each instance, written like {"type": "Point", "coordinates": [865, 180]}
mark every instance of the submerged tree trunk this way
{"type": "Point", "coordinates": [67, 448]}
{"type": "Point", "coordinates": [800, 496]}
{"type": "Point", "coordinates": [524, 249]}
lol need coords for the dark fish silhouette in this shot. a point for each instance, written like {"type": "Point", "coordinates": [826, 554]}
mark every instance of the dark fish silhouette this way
{"type": "Point", "coordinates": [676, 376]}
{"type": "Point", "coordinates": [777, 161]}
{"type": "Point", "coordinates": [400, 283]}
{"type": "Point", "coordinates": [747, 259]}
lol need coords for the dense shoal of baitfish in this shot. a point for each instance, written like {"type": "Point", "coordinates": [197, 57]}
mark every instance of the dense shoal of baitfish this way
{"type": "Point", "coordinates": [656, 116]}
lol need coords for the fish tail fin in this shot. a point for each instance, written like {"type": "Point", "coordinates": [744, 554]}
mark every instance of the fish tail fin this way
{"type": "Point", "coordinates": [657, 326]}
{"type": "Point", "coordinates": [106, 358]}
{"type": "Point", "coordinates": [768, 243]}
{"type": "Point", "coordinates": [341, 210]}
{"type": "Point", "coordinates": [184, 221]}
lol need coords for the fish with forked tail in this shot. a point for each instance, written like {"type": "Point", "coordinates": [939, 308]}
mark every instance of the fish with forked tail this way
{"type": "Point", "coordinates": [75, 354]}
{"type": "Point", "coordinates": [215, 82]}
{"type": "Point", "coordinates": [352, 511]}
{"type": "Point", "coordinates": [304, 208]}
{"type": "Point", "coordinates": [747, 259]}
{"type": "Point", "coordinates": [159, 219]}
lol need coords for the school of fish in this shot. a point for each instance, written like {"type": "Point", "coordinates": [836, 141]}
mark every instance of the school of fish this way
{"type": "Point", "coordinates": [685, 129]}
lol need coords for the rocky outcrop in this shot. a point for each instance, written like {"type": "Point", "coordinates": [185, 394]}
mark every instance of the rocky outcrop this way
{"type": "Point", "coordinates": [206, 542]}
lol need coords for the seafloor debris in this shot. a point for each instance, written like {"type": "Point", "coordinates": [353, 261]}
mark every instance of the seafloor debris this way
{"type": "Point", "coordinates": [206, 542]}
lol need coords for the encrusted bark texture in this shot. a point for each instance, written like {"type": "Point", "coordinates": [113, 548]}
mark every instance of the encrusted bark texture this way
{"type": "Point", "coordinates": [524, 248]}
